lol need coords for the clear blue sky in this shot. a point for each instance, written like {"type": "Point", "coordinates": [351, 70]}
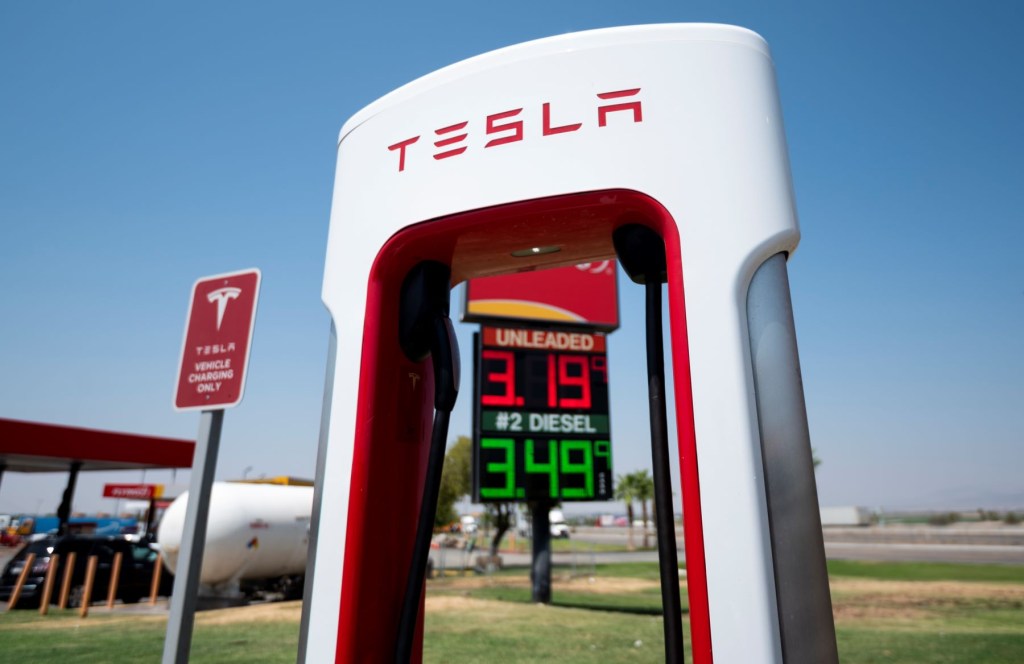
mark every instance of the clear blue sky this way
{"type": "Point", "coordinates": [144, 145]}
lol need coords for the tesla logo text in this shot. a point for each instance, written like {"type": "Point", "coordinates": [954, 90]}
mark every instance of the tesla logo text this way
{"type": "Point", "coordinates": [510, 126]}
{"type": "Point", "coordinates": [221, 297]}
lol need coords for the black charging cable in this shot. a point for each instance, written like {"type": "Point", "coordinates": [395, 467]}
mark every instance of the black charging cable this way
{"type": "Point", "coordinates": [426, 329]}
{"type": "Point", "coordinates": [642, 254]}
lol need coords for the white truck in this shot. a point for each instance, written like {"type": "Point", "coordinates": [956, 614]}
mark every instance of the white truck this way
{"type": "Point", "coordinates": [556, 520]}
{"type": "Point", "coordinates": [559, 528]}
{"type": "Point", "coordinates": [845, 516]}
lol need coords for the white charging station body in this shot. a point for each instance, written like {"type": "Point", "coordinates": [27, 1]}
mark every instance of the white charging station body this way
{"type": "Point", "coordinates": [614, 126]}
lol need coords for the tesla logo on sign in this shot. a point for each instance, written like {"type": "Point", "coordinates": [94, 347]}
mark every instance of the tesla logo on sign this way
{"type": "Point", "coordinates": [221, 296]}
{"type": "Point", "coordinates": [218, 334]}
{"type": "Point", "coordinates": [510, 126]}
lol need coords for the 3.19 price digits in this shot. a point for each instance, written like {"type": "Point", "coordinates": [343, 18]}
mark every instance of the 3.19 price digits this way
{"type": "Point", "coordinates": [564, 380]}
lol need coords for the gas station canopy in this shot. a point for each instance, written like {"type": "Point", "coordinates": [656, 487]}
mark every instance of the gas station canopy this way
{"type": "Point", "coordinates": [33, 447]}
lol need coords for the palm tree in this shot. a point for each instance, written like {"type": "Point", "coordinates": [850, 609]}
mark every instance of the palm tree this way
{"type": "Point", "coordinates": [625, 490]}
{"type": "Point", "coordinates": [643, 485]}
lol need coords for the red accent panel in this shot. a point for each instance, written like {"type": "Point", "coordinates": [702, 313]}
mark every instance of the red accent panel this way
{"type": "Point", "coordinates": [549, 130]}
{"type": "Point", "coordinates": [693, 521]}
{"type": "Point", "coordinates": [393, 412]}
{"type": "Point", "coordinates": [515, 127]}
{"type": "Point", "coordinates": [37, 446]}
{"type": "Point", "coordinates": [389, 462]}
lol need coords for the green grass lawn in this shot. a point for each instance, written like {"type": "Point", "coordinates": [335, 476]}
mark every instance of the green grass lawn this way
{"type": "Point", "coordinates": [602, 570]}
{"type": "Point", "coordinates": [886, 620]}
{"type": "Point", "coordinates": [514, 632]}
{"type": "Point", "coordinates": [522, 545]}
{"type": "Point", "coordinates": [893, 613]}
{"type": "Point", "coordinates": [106, 637]}
{"type": "Point", "coordinates": [643, 601]}
{"type": "Point", "coordinates": [870, 646]}
{"type": "Point", "coordinates": [926, 571]}
{"type": "Point", "coordinates": [928, 612]}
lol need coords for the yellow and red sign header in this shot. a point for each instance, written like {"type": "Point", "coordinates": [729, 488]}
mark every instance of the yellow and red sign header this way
{"type": "Point", "coordinates": [583, 295]}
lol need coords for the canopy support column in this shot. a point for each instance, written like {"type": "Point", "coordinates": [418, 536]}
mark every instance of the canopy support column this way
{"type": "Point", "coordinates": [64, 511]}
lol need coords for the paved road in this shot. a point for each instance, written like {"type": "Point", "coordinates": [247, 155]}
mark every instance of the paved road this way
{"type": "Point", "coordinates": [872, 551]}
{"type": "Point", "coordinates": [880, 551]}
{"type": "Point", "coordinates": [936, 553]}
{"type": "Point", "coordinates": [945, 553]}
{"type": "Point", "coordinates": [922, 551]}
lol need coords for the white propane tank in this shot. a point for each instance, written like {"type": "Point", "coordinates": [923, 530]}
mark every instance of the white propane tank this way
{"type": "Point", "coordinates": [255, 531]}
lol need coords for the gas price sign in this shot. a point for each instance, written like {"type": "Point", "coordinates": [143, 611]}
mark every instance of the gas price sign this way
{"type": "Point", "coordinates": [541, 429]}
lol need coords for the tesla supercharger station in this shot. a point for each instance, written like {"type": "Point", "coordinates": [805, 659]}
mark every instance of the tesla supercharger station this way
{"type": "Point", "coordinates": [530, 157]}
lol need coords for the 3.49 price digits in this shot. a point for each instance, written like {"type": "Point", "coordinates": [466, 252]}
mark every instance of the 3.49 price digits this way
{"type": "Point", "coordinates": [560, 469]}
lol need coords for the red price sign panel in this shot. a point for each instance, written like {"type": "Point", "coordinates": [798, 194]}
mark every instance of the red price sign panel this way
{"type": "Point", "coordinates": [218, 334]}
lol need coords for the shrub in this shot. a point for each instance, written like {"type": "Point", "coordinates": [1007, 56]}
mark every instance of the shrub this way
{"type": "Point", "coordinates": [943, 519]}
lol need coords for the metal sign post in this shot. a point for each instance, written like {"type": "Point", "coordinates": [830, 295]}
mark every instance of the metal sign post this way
{"type": "Point", "coordinates": [540, 549]}
{"type": "Point", "coordinates": [214, 358]}
{"type": "Point", "coordinates": [178, 641]}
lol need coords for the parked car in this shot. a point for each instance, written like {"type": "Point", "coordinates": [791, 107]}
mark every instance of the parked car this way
{"type": "Point", "coordinates": [134, 580]}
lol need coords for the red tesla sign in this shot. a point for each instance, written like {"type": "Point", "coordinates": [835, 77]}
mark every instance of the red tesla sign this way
{"type": "Point", "coordinates": [218, 333]}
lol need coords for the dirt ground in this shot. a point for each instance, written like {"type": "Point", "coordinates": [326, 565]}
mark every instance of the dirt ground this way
{"type": "Point", "coordinates": [611, 585]}
{"type": "Point", "coordinates": [102, 617]}
{"type": "Point", "coordinates": [256, 613]}
{"type": "Point", "coordinates": [868, 599]}
{"type": "Point", "coordinates": [853, 600]}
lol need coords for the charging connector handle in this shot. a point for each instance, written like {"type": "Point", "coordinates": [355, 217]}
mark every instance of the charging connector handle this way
{"type": "Point", "coordinates": [444, 351]}
{"type": "Point", "coordinates": [425, 328]}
